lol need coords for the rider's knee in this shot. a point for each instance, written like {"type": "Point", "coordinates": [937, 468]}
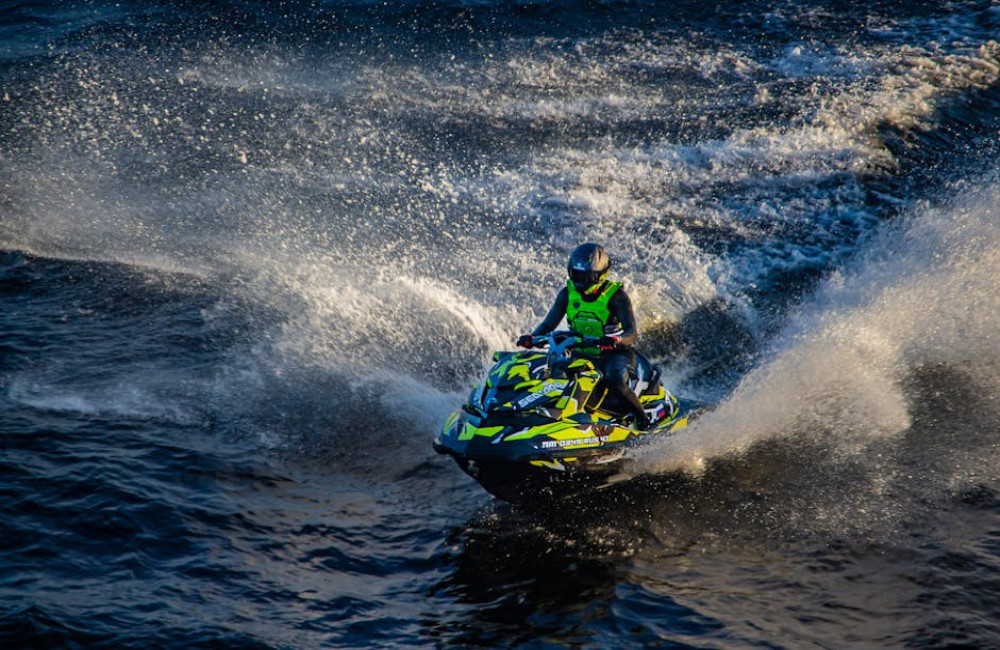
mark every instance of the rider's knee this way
{"type": "Point", "coordinates": [617, 381]}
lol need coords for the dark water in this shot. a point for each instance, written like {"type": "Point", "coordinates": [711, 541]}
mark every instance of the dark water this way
{"type": "Point", "coordinates": [251, 254]}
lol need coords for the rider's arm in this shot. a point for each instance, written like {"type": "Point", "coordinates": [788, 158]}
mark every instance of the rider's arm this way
{"type": "Point", "coordinates": [620, 307]}
{"type": "Point", "coordinates": [555, 314]}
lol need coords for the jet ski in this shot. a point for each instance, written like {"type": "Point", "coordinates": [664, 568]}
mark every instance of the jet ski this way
{"type": "Point", "coordinates": [541, 425]}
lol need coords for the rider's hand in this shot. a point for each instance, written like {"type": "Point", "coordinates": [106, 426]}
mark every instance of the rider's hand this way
{"type": "Point", "coordinates": [608, 342]}
{"type": "Point", "coordinates": [524, 341]}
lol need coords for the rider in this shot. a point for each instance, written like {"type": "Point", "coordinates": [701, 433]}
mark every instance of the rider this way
{"type": "Point", "coordinates": [595, 307]}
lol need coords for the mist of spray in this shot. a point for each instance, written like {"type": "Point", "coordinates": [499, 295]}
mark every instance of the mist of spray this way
{"type": "Point", "coordinates": [924, 292]}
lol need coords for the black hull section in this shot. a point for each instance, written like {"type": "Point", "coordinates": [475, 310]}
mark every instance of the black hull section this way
{"type": "Point", "coordinates": [526, 484]}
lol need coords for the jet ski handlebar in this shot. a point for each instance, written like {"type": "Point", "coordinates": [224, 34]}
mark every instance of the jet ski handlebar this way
{"type": "Point", "coordinates": [565, 340]}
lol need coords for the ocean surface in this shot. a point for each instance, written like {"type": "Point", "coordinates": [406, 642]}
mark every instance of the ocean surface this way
{"type": "Point", "coordinates": [253, 253]}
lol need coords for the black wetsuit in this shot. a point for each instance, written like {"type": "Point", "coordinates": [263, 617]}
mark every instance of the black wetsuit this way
{"type": "Point", "coordinates": [613, 364]}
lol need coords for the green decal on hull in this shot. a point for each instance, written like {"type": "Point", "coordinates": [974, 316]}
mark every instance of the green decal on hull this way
{"type": "Point", "coordinates": [469, 431]}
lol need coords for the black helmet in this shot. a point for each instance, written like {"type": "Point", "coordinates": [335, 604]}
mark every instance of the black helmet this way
{"type": "Point", "coordinates": [588, 266]}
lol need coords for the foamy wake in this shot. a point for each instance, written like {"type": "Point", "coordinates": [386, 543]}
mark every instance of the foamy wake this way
{"type": "Point", "coordinates": [926, 291]}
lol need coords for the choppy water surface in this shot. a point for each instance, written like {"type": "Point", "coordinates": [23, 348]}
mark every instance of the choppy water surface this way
{"type": "Point", "coordinates": [252, 254]}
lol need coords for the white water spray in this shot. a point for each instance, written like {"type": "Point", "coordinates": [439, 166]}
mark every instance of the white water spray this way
{"type": "Point", "coordinates": [926, 291]}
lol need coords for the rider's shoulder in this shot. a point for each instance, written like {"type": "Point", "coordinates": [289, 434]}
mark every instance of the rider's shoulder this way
{"type": "Point", "coordinates": [619, 290]}
{"type": "Point", "coordinates": [620, 296]}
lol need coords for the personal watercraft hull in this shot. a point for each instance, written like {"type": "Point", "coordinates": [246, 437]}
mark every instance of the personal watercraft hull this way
{"type": "Point", "coordinates": [547, 460]}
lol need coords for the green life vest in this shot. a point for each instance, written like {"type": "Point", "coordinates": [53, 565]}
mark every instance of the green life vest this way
{"type": "Point", "coordinates": [590, 318]}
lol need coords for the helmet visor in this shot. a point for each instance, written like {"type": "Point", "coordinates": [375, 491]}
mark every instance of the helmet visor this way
{"type": "Point", "coordinates": [585, 279]}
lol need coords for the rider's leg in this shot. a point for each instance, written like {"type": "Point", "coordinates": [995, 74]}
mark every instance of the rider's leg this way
{"type": "Point", "coordinates": [614, 367]}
